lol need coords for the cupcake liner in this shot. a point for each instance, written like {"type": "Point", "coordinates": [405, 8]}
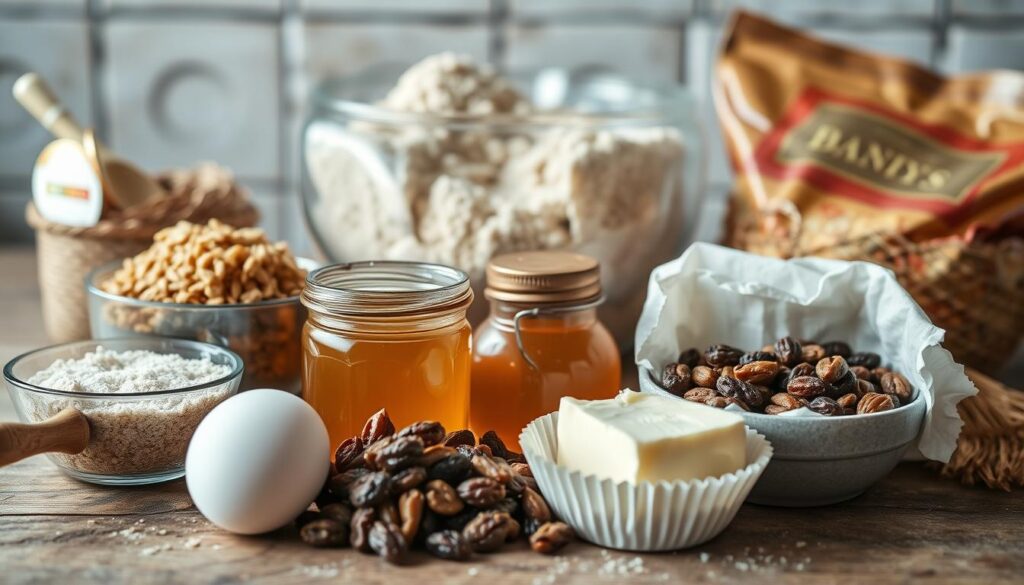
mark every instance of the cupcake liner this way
{"type": "Point", "coordinates": [639, 517]}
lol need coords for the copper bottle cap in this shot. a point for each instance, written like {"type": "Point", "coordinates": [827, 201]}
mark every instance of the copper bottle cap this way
{"type": "Point", "coordinates": [543, 277]}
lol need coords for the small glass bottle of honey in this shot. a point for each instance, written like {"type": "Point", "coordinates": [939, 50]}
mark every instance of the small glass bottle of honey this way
{"type": "Point", "coordinates": [386, 335]}
{"type": "Point", "coordinates": [542, 341]}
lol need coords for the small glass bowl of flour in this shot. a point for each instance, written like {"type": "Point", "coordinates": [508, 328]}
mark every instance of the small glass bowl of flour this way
{"type": "Point", "coordinates": [144, 398]}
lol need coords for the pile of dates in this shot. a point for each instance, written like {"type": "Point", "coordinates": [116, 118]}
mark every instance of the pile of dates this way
{"type": "Point", "coordinates": [390, 491]}
{"type": "Point", "coordinates": [828, 378]}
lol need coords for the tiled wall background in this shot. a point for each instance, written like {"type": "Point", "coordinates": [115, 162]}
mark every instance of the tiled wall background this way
{"type": "Point", "coordinates": [170, 82]}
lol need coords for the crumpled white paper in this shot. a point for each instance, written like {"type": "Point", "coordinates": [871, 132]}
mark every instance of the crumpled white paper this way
{"type": "Point", "coordinates": [713, 294]}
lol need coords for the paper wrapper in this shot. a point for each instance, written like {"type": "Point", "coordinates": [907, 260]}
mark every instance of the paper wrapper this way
{"type": "Point", "coordinates": [639, 517]}
{"type": "Point", "coordinates": [713, 294]}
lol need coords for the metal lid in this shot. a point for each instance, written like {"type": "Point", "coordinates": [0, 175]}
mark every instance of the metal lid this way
{"type": "Point", "coordinates": [543, 277]}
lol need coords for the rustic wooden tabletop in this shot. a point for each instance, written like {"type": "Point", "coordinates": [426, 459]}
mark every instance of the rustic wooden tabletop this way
{"type": "Point", "coordinates": [911, 527]}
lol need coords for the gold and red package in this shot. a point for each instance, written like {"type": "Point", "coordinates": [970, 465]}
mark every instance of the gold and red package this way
{"type": "Point", "coordinates": [845, 154]}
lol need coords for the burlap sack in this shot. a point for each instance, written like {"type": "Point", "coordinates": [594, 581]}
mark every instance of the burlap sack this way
{"type": "Point", "coordinates": [973, 290]}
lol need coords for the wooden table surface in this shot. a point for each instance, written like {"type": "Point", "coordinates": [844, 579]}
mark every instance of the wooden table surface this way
{"type": "Point", "coordinates": [911, 527]}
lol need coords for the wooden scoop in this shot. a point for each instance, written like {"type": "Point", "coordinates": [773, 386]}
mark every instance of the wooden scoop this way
{"type": "Point", "coordinates": [125, 184]}
{"type": "Point", "coordinates": [65, 432]}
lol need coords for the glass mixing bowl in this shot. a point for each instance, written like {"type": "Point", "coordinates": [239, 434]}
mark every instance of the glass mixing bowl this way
{"type": "Point", "coordinates": [134, 438]}
{"type": "Point", "coordinates": [606, 167]}
{"type": "Point", "coordinates": [267, 334]}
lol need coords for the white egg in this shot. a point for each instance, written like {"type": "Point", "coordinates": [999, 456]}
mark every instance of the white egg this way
{"type": "Point", "coordinates": [257, 461]}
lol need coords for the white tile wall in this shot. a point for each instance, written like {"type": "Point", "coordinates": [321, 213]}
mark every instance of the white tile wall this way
{"type": "Point", "coordinates": [339, 48]}
{"type": "Point", "coordinates": [459, 7]}
{"type": "Point", "coordinates": [246, 5]}
{"type": "Point", "coordinates": [12, 216]}
{"type": "Point", "coordinates": [915, 44]}
{"type": "Point", "coordinates": [182, 80]}
{"type": "Point", "coordinates": [293, 225]}
{"type": "Point", "coordinates": [646, 53]}
{"type": "Point", "coordinates": [861, 9]}
{"type": "Point", "coordinates": [703, 39]}
{"type": "Point", "coordinates": [294, 89]}
{"type": "Point", "coordinates": [990, 8]}
{"type": "Point", "coordinates": [60, 52]}
{"type": "Point", "coordinates": [269, 202]}
{"type": "Point", "coordinates": [711, 225]}
{"type": "Point", "coordinates": [281, 216]}
{"type": "Point", "coordinates": [972, 47]}
{"type": "Point", "coordinates": [178, 92]}
{"type": "Point", "coordinates": [590, 9]}
{"type": "Point", "coordinates": [75, 7]}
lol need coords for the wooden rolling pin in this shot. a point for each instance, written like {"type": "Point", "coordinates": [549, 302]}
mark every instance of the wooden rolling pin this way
{"type": "Point", "coordinates": [65, 432]}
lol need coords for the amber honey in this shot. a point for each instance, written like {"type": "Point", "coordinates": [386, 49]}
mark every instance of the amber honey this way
{"type": "Point", "coordinates": [415, 378]}
{"type": "Point", "coordinates": [542, 341]}
{"type": "Point", "coordinates": [388, 335]}
{"type": "Point", "coordinates": [575, 356]}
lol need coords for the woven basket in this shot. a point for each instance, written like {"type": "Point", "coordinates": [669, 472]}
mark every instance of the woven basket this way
{"type": "Point", "coordinates": [66, 255]}
{"type": "Point", "coordinates": [973, 290]}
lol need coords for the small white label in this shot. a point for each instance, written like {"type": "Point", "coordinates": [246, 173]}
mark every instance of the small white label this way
{"type": "Point", "coordinates": [65, 186]}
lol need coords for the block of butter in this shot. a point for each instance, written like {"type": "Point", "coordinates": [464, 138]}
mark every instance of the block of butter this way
{"type": "Point", "coordinates": [639, 437]}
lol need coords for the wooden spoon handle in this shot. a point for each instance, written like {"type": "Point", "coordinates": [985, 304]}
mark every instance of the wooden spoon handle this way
{"type": "Point", "coordinates": [66, 432]}
{"type": "Point", "coordinates": [33, 93]}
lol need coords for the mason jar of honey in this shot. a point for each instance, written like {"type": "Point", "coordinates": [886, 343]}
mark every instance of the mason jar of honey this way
{"type": "Point", "coordinates": [542, 341]}
{"type": "Point", "coordinates": [386, 335]}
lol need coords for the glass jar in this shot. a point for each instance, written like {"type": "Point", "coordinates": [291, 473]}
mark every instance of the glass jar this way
{"type": "Point", "coordinates": [388, 335]}
{"type": "Point", "coordinates": [603, 165]}
{"type": "Point", "coordinates": [542, 341]}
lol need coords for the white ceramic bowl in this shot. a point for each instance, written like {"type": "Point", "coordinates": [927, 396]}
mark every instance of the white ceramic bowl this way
{"type": "Point", "coordinates": [822, 460]}
{"type": "Point", "coordinates": [639, 517]}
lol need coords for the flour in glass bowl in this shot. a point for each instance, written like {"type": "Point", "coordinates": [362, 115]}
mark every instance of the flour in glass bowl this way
{"type": "Point", "coordinates": [130, 435]}
{"type": "Point", "coordinates": [127, 372]}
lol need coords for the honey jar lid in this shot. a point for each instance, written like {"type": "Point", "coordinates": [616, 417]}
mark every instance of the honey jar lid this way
{"type": "Point", "coordinates": [543, 277]}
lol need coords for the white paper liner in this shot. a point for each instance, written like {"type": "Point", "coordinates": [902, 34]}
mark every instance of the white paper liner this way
{"type": "Point", "coordinates": [639, 517]}
{"type": "Point", "coordinates": [713, 294]}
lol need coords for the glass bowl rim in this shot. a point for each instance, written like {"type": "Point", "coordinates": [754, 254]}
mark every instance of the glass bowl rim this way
{"type": "Point", "coordinates": [237, 367]}
{"type": "Point", "coordinates": [92, 289]}
{"type": "Point", "coordinates": [669, 97]}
